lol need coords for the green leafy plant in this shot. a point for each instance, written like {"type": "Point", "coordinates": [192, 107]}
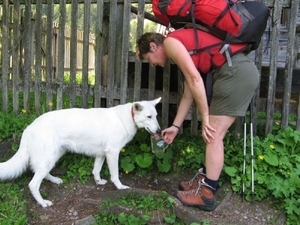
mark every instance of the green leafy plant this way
{"type": "Point", "coordinates": [277, 170]}
{"type": "Point", "coordinates": [276, 163]}
{"type": "Point", "coordinates": [76, 166]}
{"type": "Point", "coordinates": [12, 126]}
{"type": "Point", "coordinates": [146, 204]}
{"type": "Point", "coordinates": [137, 154]}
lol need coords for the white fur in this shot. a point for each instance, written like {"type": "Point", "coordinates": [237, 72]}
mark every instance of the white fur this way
{"type": "Point", "coordinates": [96, 132]}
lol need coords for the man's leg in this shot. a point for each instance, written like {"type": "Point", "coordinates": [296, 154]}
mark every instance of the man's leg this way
{"type": "Point", "coordinates": [214, 155]}
{"type": "Point", "coordinates": [204, 195]}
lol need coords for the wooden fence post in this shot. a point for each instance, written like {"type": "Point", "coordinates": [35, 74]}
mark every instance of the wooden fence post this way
{"type": "Point", "coordinates": [38, 57]}
{"type": "Point", "coordinates": [5, 56]}
{"type": "Point", "coordinates": [273, 65]}
{"type": "Point", "coordinates": [138, 63]}
{"type": "Point", "coordinates": [124, 52]}
{"type": "Point", "coordinates": [15, 56]}
{"type": "Point", "coordinates": [166, 94]}
{"type": "Point", "coordinates": [111, 53]}
{"type": "Point", "coordinates": [49, 56]}
{"type": "Point", "coordinates": [73, 53]}
{"type": "Point", "coordinates": [290, 63]}
{"type": "Point", "coordinates": [98, 54]}
{"type": "Point", "coordinates": [61, 54]}
{"type": "Point", "coordinates": [85, 58]}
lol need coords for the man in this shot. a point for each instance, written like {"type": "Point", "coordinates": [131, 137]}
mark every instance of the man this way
{"type": "Point", "coordinates": [233, 88]}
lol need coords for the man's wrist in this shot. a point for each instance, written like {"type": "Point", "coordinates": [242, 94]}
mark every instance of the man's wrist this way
{"type": "Point", "coordinates": [174, 125]}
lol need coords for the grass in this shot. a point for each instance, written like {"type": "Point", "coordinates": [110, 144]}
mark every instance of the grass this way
{"type": "Point", "coordinates": [139, 209]}
{"type": "Point", "coordinates": [13, 205]}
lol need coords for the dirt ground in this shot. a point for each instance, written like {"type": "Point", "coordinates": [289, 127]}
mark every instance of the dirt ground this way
{"type": "Point", "coordinates": [74, 201]}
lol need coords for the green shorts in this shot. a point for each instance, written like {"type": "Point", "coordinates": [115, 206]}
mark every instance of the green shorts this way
{"type": "Point", "coordinates": [234, 87]}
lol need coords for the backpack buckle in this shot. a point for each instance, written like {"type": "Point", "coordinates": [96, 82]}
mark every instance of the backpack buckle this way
{"type": "Point", "coordinates": [225, 49]}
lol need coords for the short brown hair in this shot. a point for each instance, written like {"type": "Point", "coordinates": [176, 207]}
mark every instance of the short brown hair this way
{"type": "Point", "coordinates": [143, 43]}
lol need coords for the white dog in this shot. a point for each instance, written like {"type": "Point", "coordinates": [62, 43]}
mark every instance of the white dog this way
{"type": "Point", "coordinates": [96, 132]}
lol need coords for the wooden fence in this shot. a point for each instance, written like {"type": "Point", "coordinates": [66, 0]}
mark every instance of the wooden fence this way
{"type": "Point", "coordinates": [119, 76]}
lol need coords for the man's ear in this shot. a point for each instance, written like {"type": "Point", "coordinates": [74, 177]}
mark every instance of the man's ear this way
{"type": "Point", "coordinates": [153, 47]}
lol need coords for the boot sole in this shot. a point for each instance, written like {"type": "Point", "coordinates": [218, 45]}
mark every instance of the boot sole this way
{"type": "Point", "coordinates": [202, 207]}
{"type": "Point", "coordinates": [205, 208]}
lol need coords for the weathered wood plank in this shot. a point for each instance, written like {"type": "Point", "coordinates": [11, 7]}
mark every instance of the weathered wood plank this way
{"type": "Point", "coordinates": [119, 60]}
{"type": "Point", "coordinates": [5, 55]}
{"type": "Point", "coordinates": [16, 56]}
{"type": "Point", "coordinates": [98, 54]}
{"type": "Point", "coordinates": [179, 93]}
{"type": "Point", "coordinates": [49, 59]}
{"type": "Point", "coordinates": [61, 54]}
{"type": "Point", "coordinates": [166, 95]}
{"type": "Point", "coordinates": [27, 54]}
{"type": "Point", "coordinates": [73, 52]}
{"type": "Point", "coordinates": [290, 62]}
{"type": "Point", "coordinates": [258, 59]}
{"type": "Point", "coordinates": [125, 51]}
{"type": "Point", "coordinates": [273, 65]}
{"type": "Point", "coordinates": [85, 59]}
{"type": "Point", "coordinates": [38, 57]}
{"type": "Point", "coordinates": [138, 63]}
{"type": "Point", "coordinates": [151, 86]}
{"type": "Point", "coordinates": [194, 119]}
{"type": "Point", "coordinates": [112, 53]}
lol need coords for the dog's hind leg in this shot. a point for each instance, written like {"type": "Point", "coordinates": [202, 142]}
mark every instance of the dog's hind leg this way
{"type": "Point", "coordinates": [34, 187]}
{"type": "Point", "coordinates": [99, 160]}
{"type": "Point", "coordinates": [55, 180]}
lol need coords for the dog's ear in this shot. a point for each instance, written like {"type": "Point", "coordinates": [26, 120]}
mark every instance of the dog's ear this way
{"type": "Point", "coordinates": [137, 107]}
{"type": "Point", "coordinates": [154, 102]}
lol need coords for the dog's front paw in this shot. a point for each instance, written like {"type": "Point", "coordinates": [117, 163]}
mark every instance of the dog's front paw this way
{"type": "Point", "coordinates": [101, 182]}
{"type": "Point", "coordinates": [45, 203]}
{"type": "Point", "coordinates": [123, 187]}
{"type": "Point", "coordinates": [57, 180]}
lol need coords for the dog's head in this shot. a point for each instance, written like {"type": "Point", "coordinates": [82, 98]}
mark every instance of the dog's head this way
{"type": "Point", "coordinates": [144, 115]}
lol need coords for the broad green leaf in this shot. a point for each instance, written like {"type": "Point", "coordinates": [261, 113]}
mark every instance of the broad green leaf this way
{"type": "Point", "coordinates": [144, 161]}
{"type": "Point", "coordinates": [271, 158]}
{"type": "Point", "coordinates": [231, 171]}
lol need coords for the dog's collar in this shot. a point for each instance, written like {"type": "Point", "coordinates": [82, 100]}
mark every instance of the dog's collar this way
{"type": "Point", "coordinates": [132, 115]}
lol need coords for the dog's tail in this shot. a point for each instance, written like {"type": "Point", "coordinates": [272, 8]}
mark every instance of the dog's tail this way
{"type": "Point", "coordinates": [15, 166]}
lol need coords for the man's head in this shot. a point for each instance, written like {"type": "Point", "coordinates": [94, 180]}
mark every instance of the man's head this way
{"type": "Point", "coordinates": [150, 47]}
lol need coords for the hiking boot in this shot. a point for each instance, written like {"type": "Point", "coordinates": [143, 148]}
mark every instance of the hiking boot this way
{"type": "Point", "coordinates": [203, 197]}
{"type": "Point", "coordinates": [193, 183]}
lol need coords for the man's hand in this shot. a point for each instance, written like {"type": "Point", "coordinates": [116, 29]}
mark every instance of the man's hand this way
{"type": "Point", "coordinates": [169, 134]}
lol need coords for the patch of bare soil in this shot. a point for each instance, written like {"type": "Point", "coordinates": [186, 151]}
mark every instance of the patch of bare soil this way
{"type": "Point", "coordinates": [74, 201]}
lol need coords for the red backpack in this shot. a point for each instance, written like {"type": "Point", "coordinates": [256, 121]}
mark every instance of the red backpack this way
{"type": "Point", "coordinates": [229, 20]}
{"type": "Point", "coordinates": [211, 52]}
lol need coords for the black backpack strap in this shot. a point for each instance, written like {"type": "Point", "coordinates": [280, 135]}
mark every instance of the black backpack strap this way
{"type": "Point", "coordinates": [197, 50]}
{"type": "Point", "coordinates": [209, 86]}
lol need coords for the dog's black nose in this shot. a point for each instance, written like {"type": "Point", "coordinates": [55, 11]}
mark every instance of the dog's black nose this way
{"type": "Point", "coordinates": [158, 131]}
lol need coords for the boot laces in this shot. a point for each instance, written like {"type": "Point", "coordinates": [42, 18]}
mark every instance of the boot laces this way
{"type": "Point", "coordinates": [195, 178]}
{"type": "Point", "coordinates": [195, 191]}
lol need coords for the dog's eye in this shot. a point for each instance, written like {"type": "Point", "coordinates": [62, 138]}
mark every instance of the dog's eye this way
{"type": "Point", "coordinates": [149, 117]}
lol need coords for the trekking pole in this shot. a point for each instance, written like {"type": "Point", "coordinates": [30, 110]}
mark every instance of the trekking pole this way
{"type": "Point", "coordinates": [244, 166]}
{"type": "Point", "coordinates": [252, 152]}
